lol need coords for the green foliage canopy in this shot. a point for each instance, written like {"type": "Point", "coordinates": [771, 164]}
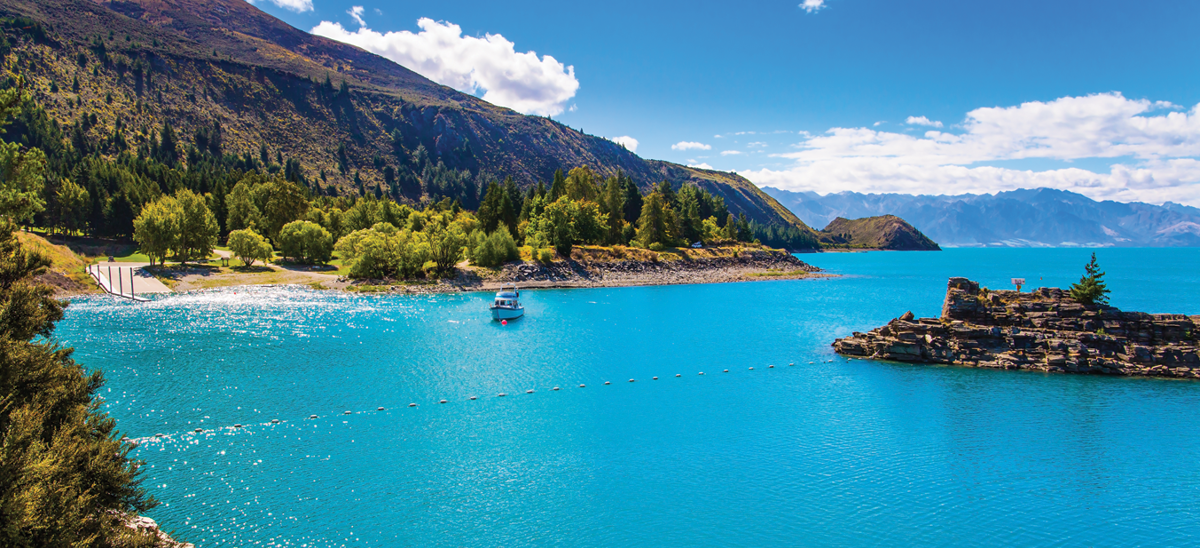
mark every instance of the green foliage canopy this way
{"type": "Point", "coordinates": [1091, 288]}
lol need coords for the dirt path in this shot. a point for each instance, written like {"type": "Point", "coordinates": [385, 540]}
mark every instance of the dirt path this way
{"type": "Point", "coordinates": [192, 277]}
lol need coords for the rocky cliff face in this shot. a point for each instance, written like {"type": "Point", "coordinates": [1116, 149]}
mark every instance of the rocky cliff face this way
{"type": "Point", "coordinates": [1044, 330]}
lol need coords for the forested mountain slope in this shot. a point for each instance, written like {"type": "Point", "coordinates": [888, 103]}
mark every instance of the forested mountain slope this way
{"type": "Point", "coordinates": [231, 79]}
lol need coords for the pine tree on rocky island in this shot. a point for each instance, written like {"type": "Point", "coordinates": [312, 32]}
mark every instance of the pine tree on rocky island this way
{"type": "Point", "coordinates": [1091, 288]}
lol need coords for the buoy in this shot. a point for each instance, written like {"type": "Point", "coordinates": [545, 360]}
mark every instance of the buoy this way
{"type": "Point", "coordinates": [726, 370]}
{"type": "Point", "coordinates": [752, 369]}
{"type": "Point", "coordinates": [503, 322]}
{"type": "Point", "coordinates": [472, 397]}
{"type": "Point", "coordinates": [348, 413]}
{"type": "Point", "coordinates": [412, 405]}
{"type": "Point", "coordinates": [583, 386]}
{"type": "Point", "coordinates": [379, 409]}
{"type": "Point", "coordinates": [312, 416]}
{"type": "Point", "coordinates": [701, 372]}
{"type": "Point", "coordinates": [530, 391]}
{"type": "Point", "coordinates": [198, 430]}
{"type": "Point", "coordinates": [555, 388]}
{"type": "Point", "coordinates": [678, 375]}
{"type": "Point", "coordinates": [791, 364]}
{"type": "Point", "coordinates": [158, 435]}
{"type": "Point", "coordinates": [501, 395]}
{"type": "Point", "coordinates": [606, 382]}
{"type": "Point", "coordinates": [442, 401]}
{"type": "Point", "coordinates": [809, 363]}
{"type": "Point", "coordinates": [655, 378]}
{"type": "Point", "coordinates": [770, 367]}
{"type": "Point", "coordinates": [237, 426]}
{"type": "Point", "coordinates": [274, 421]}
{"type": "Point", "coordinates": [630, 380]}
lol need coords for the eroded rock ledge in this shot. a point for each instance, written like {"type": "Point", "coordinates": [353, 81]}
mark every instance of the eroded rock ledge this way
{"type": "Point", "coordinates": [1044, 330]}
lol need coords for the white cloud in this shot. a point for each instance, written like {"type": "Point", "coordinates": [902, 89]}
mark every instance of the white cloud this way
{"type": "Point", "coordinates": [629, 142]}
{"type": "Point", "coordinates": [879, 123]}
{"type": "Point", "coordinates": [573, 108]}
{"type": "Point", "coordinates": [730, 152]}
{"type": "Point", "coordinates": [920, 121]}
{"type": "Point", "coordinates": [378, 11]}
{"type": "Point", "coordinates": [690, 145]}
{"type": "Point", "coordinates": [757, 144]}
{"type": "Point", "coordinates": [1155, 155]}
{"type": "Point", "coordinates": [490, 65]}
{"type": "Point", "coordinates": [356, 12]}
{"type": "Point", "coordinates": [298, 6]}
{"type": "Point", "coordinates": [701, 166]}
{"type": "Point", "coordinates": [812, 6]}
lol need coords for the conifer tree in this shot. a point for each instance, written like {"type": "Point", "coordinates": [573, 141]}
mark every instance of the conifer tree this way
{"type": "Point", "coordinates": [1091, 288]}
{"type": "Point", "coordinates": [559, 186]}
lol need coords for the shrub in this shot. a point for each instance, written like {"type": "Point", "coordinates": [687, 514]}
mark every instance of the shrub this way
{"type": "Point", "coordinates": [249, 246]}
{"type": "Point", "coordinates": [545, 256]}
{"type": "Point", "coordinates": [306, 241]}
{"type": "Point", "coordinates": [492, 250]}
{"type": "Point", "coordinates": [657, 246]}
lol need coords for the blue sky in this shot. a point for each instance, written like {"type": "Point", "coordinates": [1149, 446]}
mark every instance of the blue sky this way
{"type": "Point", "coordinates": [1096, 97]}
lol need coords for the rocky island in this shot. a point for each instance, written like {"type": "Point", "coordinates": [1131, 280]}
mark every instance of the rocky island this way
{"type": "Point", "coordinates": [1043, 330]}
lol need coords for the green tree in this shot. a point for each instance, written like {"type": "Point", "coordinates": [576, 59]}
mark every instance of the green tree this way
{"type": "Point", "coordinates": [66, 479]}
{"type": "Point", "coordinates": [652, 225]}
{"type": "Point", "coordinates": [21, 172]}
{"type": "Point", "coordinates": [612, 204]}
{"type": "Point", "coordinates": [559, 224]}
{"type": "Point", "coordinates": [581, 185]}
{"type": "Point", "coordinates": [241, 210]}
{"type": "Point", "coordinates": [73, 206]}
{"type": "Point", "coordinates": [197, 230]}
{"type": "Point", "coordinates": [282, 201]}
{"type": "Point", "coordinates": [156, 228]}
{"type": "Point", "coordinates": [1091, 288]}
{"type": "Point", "coordinates": [306, 241]}
{"type": "Point", "coordinates": [249, 246]}
{"type": "Point", "coordinates": [559, 186]}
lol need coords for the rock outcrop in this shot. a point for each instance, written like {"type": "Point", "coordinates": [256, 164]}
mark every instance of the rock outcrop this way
{"type": "Point", "coordinates": [883, 232]}
{"type": "Point", "coordinates": [1043, 330]}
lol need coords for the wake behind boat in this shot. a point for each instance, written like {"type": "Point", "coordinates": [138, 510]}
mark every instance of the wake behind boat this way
{"type": "Point", "coordinates": [507, 305]}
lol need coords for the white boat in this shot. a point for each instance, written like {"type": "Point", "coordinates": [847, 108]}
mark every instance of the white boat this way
{"type": "Point", "coordinates": [508, 303]}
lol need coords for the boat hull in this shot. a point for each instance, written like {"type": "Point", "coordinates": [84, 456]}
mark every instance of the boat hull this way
{"type": "Point", "coordinates": [507, 313]}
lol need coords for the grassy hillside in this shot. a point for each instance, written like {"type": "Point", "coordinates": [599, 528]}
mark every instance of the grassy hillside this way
{"type": "Point", "coordinates": [355, 122]}
{"type": "Point", "coordinates": [66, 272]}
{"type": "Point", "coordinates": [883, 232]}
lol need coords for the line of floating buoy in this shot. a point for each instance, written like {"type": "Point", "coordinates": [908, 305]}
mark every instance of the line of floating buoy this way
{"type": "Point", "coordinates": [472, 398]}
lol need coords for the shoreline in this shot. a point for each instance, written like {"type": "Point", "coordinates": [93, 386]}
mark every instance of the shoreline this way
{"type": "Point", "coordinates": [745, 266]}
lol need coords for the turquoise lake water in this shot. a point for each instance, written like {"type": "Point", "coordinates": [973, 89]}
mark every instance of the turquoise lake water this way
{"type": "Point", "coordinates": [828, 452]}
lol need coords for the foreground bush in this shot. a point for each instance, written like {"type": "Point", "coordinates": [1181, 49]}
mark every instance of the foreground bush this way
{"type": "Point", "coordinates": [65, 478]}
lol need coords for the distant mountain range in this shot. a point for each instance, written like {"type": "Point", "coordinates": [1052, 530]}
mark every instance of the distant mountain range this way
{"type": "Point", "coordinates": [354, 121]}
{"type": "Point", "coordinates": [1020, 218]}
